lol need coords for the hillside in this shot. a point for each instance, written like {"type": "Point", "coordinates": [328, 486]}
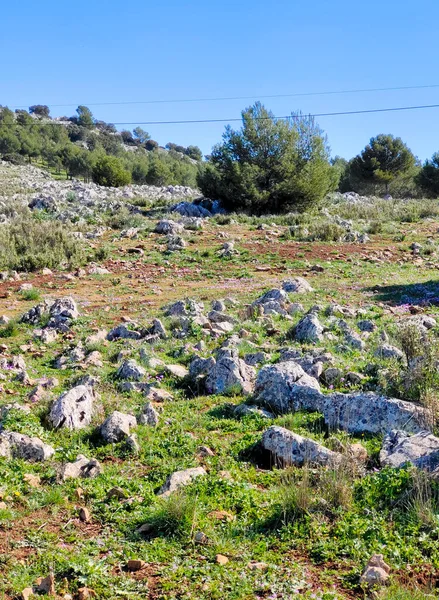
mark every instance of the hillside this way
{"type": "Point", "coordinates": [201, 405]}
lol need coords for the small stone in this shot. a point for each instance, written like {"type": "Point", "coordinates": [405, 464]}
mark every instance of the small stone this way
{"type": "Point", "coordinates": [27, 593]}
{"type": "Point", "coordinates": [205, 451]}
{"type": "Point", "coordinates": [145, 528]}
{"type": "Point", "coordinates": [376, 573]}
{"type": "Point", "coordinates": [135, 565]}
{"type": "Point", "coordinates": [220, 559]}
{"type": "Point", "coordinates": [33, 480]}
{"type": "Point", "coordinates": [117, 492]}
{"type": "Point", "coordinates": [257, 566]}
{"type": "Point", "coordinates": [201, 538]}
{"type": "Point", "coordinates": [84, 515]}
{"type": "Point", "coordinates": [46, 585]}
{"type": "Point", "coordinates": [179, 479]}
{"type": "Point", "coordinates": [133, 444]}
{"type": "Point", "coordinates": [221, 515]}
{"type": "Point", "coordinates": [177, 371]}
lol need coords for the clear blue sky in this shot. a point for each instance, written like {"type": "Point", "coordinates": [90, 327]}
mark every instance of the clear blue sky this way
{"type": "Point", "coordinates": [57, 52]}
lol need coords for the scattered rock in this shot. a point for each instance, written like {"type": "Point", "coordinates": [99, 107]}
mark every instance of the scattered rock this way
{"type": "Point", "coordinates": [84, 515]}
{"type": "Point", "coordinates": [135, 565]}
{"type": "Point", "coordinates": [117, 427]}
{"type": "Point", "coordinates": [81, 467]}
{"type": "Point", "coordinates": [308, 329]}
{"type": "Point", "coordinates": [387, 351]}
{"type": "Point", "coordinates": [130, 370]}
{"type": "Point", "coordinates": [376, 573]}
{"type": "Point", "coordinates": [73, 409]}
{"type": "Point", "coordinates": [298, 285]}
{"type": "Point", "coordinates": [22, 446]}
{"type": "Point", "coordinates": [149, 416]}
{"type": "Point", "coordinates": [177, 371]}
{"type": "Point", "coordinates": [285, 387]}
{"type": "Point", "coordinates": [420, 449]}
{"type": "Point", "coordinates": [180, 479]}
{"type": "Point", "coordinates": [289, 448]}
{"type": "Point", "coordinates": [229, 373]}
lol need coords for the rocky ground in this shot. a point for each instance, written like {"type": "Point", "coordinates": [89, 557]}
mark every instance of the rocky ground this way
{"type": "Point", "coordinates": [220, 406]}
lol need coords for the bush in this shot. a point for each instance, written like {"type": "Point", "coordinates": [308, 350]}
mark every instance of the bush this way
{"type": "Point", "coordinates": [109, 171]}
{"type": "Point", "coordinates": [29, 245]}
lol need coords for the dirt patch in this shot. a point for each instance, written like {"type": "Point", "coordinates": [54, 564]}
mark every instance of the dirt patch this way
{"type": "Point", "coordinates": [13, 541]}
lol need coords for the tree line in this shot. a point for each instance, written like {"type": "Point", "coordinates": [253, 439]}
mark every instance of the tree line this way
{"type": "Point", "coordinates": [268, 165]}
{"type": "Point", "coordinates": [84, 147]}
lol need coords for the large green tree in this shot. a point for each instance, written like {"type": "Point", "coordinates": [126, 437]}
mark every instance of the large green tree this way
{"type": "Point", "coordinates": [269, 165]}
{"type": "Point", "coordinates": [382, 161]}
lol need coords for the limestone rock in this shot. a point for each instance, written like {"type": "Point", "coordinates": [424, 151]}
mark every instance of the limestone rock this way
{"type": "Point", "coordinates": [117, 426]}
{"type": "Point", "coordinates": [308, 329]}
{"type": "Point", "coordinates": [81, 467]}
{"type": "Point", "coordinates": [292, 449]}
{"type": "Point", "coordinates": [130, 370]}
{"type": "Point", "coordinates": [376, 572]}
{"type": "Point", "coordinates": [25, 447]}
{"type": "Point", "coordinates": [149, 416]}
{"type": "Point", "coordinates": [73, 409]}
{"type": "Point", "coordinates": [285, 387]}
{"type": "Point", "coordinates": [180, 479]}
{"type": "Point", "coordinates": [297, 285]}
{"type": "Point", "coordinates": [420, 449]}
{"type": "Point", "coordinates": [230, 373]}
{"type": "Point", "coordinates": [123, 332]}
{"type": "Point", "coordinates": [387, 351]}
{"type": "Point", "coordinates": [168, 227]}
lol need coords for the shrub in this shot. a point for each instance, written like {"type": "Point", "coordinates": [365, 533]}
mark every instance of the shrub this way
{"type": "Point", "coordinates": [109, 171]}
{"type": "Point", "coordinates": [31, 294]}
{"type": "Point", "coordinates": [29, 245]}
{"type": "Point", "coordinates": [174, 516]}
{"type": "Point", "coordinates": [325, 232]}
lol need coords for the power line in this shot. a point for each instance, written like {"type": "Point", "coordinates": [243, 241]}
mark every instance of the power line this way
{"type": "Point", "coordinates": [329, 114]}
{"type": "Point", "coordinates": [226, 98]}
{"type": "Point", "coordinates": [286, 117]}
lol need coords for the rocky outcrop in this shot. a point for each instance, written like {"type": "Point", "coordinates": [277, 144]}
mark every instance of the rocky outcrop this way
{"type": "Point", "coordinates": [286, 387]}
{"type": "Point", "coordinates": [367, 412]}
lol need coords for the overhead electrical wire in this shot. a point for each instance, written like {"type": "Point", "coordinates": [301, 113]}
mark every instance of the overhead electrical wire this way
{"type": "Point", "coordinates": [285, 117]}
{"type": "Point", "coordinates": [301, 116]}
{"type": "Point", "coordinates": [226, 98]}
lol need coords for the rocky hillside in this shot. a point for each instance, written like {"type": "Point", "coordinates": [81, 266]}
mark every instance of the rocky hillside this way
{"type": "Point", "coordinates": [200, 405]}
